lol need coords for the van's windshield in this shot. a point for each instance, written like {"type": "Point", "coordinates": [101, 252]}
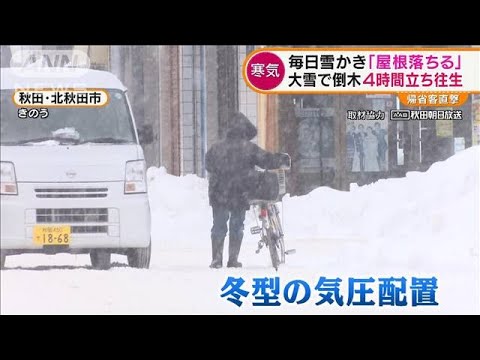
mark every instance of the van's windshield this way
{"type": "Point", "coordinates": [110, 124]}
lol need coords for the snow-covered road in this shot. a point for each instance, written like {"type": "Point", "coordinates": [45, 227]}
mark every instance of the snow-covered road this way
{"type": "Point", "coordinates": [180, 282]}
{"type": "Point", "coordinates": [425, 225]}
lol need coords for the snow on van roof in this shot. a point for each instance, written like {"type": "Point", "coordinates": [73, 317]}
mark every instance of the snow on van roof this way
{"type": "Point", "coordinates": [57, 77]}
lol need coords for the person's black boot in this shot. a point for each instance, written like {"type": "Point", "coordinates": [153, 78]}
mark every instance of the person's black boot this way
{"type": "Point", "coordinates": [217, 253]}
{"type": "Point", "coordinates": [234, 264]}
{"type": "Point", "coordinates": [233, 252]}
{"type": "Point", "coordinates": [216, 264]}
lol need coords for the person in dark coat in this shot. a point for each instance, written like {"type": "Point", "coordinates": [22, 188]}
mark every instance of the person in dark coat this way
{"type": "Point", "coordinates": [350, 147]}
{"type": "Point", "coordinates": [230, 163]}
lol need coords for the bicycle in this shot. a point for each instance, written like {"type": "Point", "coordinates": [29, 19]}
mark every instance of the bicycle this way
{"type": "Point", "coordinates": [271, 230]}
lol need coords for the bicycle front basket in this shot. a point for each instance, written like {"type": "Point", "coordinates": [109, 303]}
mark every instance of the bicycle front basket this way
{"type": "Point", "coordinates": [268, 185]}
{"type": "Point", "coordinates": [264, 186]}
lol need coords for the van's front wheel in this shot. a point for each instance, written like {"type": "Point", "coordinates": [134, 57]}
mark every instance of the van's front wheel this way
{"type": "Point", "coordinates": [140, 257]}
{"type": "Point", "coordinates": [100, 259]}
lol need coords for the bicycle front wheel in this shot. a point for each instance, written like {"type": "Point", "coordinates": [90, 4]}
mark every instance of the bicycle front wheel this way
{"type": "Point", "coordinates": [277, 230]}
{"type": "Point", "coordinates": [273, 249]}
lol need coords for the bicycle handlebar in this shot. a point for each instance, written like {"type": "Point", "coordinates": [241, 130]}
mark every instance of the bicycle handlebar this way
{"type": "Point", "coordinates": [287, 167]}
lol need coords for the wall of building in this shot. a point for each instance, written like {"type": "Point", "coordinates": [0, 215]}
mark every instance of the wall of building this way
{"type": "Point", "coordinates": [212, 130]}
{"type": "Point", "coordinates": [169, 108]}
{"type": "Point", "coordinates": [189, 107]}
{"type": "Point", "coordinates": [5, 55]}
{"type": "Point", "coordinates": [247, 98]}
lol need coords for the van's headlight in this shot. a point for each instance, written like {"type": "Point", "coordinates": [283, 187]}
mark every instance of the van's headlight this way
{"type": "Point", "coordinates": [135, 178]}
{"type": "Point", "coordinates": [8, 180]}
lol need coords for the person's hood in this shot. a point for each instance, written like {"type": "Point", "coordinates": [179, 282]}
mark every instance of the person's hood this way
{"type": "Point", "coordinates": [239, 127]}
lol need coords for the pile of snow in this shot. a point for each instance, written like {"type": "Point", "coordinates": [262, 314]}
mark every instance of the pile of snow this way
{"type": "Point", "coordinates": [181, 213]}
{"type": "Point", "coordinates": [423, 218]}
{"type": "Point", "coordinates": [67, 133]}
{"type": "Point", "coordinates": [180, 210]}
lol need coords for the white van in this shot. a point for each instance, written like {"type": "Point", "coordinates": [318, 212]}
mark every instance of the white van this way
{"type": "Point", "coordinates": [74, 181]}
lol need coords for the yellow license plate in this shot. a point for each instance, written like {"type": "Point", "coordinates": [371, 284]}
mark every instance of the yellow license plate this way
{"type": "Point", "coordinates": [51, 234]}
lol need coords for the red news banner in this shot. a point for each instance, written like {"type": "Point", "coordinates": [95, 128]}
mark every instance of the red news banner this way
{"type": "Point", "coordinates": [418, 76]}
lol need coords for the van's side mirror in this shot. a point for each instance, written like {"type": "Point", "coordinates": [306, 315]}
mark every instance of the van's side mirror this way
{"type": "Point", "coordinates": [145, 134]}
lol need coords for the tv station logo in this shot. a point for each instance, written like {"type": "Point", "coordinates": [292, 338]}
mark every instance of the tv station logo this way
{"type": "Point", "coordinates": [406, 115]}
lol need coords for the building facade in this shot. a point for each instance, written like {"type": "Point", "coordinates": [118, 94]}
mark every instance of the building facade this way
{"type": "Point", "coordinates": [185, 93]}
{"type": "Point", "coordinates": [316, 131]}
